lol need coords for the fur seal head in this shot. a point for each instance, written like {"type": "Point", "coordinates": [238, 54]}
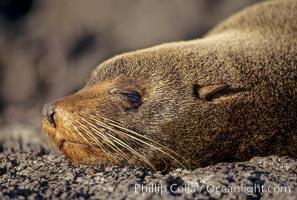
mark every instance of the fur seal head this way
{"type": "Point", "coordinates": [229, 96]}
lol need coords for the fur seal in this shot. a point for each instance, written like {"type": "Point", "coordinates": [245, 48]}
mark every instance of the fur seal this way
{"type": "Point", "coordinates": [228, 96]}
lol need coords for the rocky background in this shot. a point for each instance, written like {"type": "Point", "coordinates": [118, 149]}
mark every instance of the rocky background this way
{"type": "Point", "coordinates": [48, 49]}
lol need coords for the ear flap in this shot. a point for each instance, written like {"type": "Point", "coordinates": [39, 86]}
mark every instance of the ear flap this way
{"type": "Point", "coordinates": [209, 92]}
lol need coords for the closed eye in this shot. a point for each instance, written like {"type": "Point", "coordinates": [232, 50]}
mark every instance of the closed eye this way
{"type": "Point", "coordinates": [131, 96]}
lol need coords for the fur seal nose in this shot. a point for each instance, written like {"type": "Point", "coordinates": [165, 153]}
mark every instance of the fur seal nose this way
{"type": "Point", "coordinates": [48, 112]}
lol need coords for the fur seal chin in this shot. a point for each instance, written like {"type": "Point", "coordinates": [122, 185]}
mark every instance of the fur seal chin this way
{"type": "Point", "coordinates": [229, 96]}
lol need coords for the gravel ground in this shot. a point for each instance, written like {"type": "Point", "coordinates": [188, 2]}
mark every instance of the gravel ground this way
{"type": "Point", "coordinates": [29, 171]}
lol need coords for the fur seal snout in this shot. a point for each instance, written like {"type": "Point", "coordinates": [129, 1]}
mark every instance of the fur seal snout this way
{"type": "Point", "coordinates": [228, 96]}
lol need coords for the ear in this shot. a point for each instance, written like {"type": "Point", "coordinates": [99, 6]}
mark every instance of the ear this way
{"type": "Point", "coordinates": [209, 92]}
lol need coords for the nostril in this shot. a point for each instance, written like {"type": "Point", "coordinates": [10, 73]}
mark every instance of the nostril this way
{"type": "Point", "coordinates": [48, 112]}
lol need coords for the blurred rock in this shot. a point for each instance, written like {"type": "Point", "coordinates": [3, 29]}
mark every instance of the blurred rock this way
{"type": "Point", "coordinates": [48, 48]}
{"type": "Point", "coordinates": [14, 10]}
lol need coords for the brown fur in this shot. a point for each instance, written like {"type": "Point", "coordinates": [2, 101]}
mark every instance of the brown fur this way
{"type": "Point", "coordinates": [229, 96]}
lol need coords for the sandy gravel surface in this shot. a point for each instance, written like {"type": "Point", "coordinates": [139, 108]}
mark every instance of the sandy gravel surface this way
{"type": "Point", "coordinates": [28, 171]}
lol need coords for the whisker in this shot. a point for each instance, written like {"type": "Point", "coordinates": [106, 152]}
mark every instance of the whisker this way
{"type": "Point", "coordinates": [94, 139]}
{"type": "Point", "coordinates": [98, 133]}
{"type": "Point", "coordinates": [115, 139]}
{"type": "Point", "coordinates": [124, 145]}
{"type": "Point", "coordinates": [97, 142]}
{"type": "Point", "coordinates": [117, 125]}
{"type": "Point", "coordinates": [123, 138]}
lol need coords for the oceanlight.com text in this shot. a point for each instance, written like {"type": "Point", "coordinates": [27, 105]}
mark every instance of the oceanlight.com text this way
{"type": "Point", "coordinates": [198, 187]}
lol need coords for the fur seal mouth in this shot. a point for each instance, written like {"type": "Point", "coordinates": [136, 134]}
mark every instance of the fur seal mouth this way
{"type": "Point", "coordinates": [61, 145]}
{"type": "Point", "coordinates": [66, 143]}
